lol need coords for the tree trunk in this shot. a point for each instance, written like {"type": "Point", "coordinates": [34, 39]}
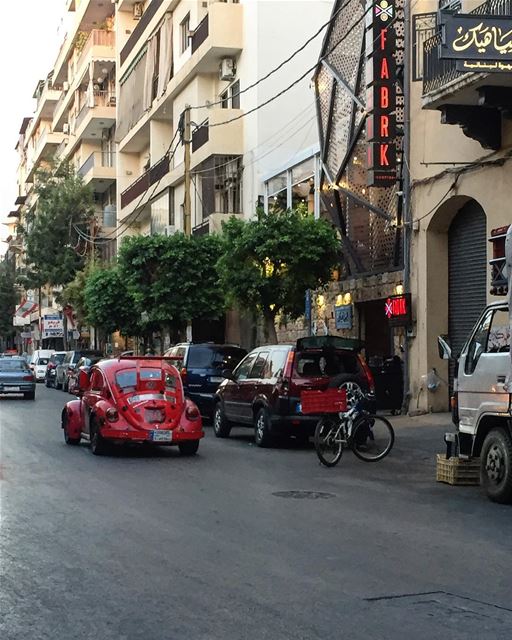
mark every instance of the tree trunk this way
{"type": "Point", "coordinates": [270, 327]}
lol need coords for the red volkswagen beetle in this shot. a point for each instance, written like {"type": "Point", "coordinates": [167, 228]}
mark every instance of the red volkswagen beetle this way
{"type": "Point", "coordinates": [132, 399]}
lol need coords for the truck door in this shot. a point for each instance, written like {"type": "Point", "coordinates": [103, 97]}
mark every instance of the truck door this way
{"type": "Point", "coordinates": [483, 367]}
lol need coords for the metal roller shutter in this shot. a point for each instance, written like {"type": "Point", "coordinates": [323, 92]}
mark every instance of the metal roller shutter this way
{"type": "Point", "coordinates": [467, 273]}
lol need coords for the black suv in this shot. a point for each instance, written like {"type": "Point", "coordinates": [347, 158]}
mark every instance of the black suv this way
{"type": "Point", "coordinates": [201, 366]}
{"type": "Point", "coordinates": [263, 392]}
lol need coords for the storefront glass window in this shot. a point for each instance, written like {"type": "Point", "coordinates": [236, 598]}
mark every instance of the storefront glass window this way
{"type": "Point", "coordinates": [299, 180]}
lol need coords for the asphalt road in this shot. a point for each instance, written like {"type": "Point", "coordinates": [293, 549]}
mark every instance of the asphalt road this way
{"type": "Point", "coordinates": [157, 547]}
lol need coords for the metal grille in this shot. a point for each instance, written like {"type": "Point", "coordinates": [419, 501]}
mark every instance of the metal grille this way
{"type": "Point", "coordinates": [467, 273]}
{"type": "Point", "coordinates": [366, 216]}
{"type": "Point", "coordinates": [424, 26]}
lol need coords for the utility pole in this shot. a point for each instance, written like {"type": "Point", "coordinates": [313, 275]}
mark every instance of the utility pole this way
{"type": "Point", "coordinates": [187, 204]}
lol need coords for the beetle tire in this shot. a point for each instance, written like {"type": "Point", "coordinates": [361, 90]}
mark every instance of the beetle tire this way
{"type": "Point", "coordinates": [189, 447]}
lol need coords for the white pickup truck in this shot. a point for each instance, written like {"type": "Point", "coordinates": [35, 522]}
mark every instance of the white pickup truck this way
{"type": "Point", "coordinates": [481, 404]}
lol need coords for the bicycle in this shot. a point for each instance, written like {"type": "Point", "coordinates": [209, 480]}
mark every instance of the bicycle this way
{"type": "Point", "coordinates": [370, 437]}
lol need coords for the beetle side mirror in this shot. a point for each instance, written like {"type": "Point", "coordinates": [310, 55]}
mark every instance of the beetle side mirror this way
{"type": "Point", "coordinates": [83, 381]}
{"type": "Point", "coordinates": [444, 347]}
{"type": "Point", "coordinates": [228, 374]}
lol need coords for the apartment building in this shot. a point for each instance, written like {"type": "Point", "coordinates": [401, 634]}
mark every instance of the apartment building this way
{"type": "Point", "coordinates": [173, 54]}
{"type": "Point", "coordinates": [85, 114]}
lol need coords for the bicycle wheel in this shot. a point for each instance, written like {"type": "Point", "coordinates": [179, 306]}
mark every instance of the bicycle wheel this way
{"type": "Point", "coordinates": [372, 438]}
{"type": "Point", "coordinates": [328, 442]}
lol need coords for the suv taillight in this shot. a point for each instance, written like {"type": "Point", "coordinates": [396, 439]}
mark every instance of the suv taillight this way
{"type": "Point", "coordinates": [367, 374]}
{"type": "Point", "coordinates": [183, 374]}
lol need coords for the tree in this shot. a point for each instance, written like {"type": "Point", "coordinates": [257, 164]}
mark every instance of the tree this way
{"type": "Point", "coordinates": [7, 300]}
{"type": "Point", "coordinates": [268, 263]}
{"type": "Point", "coordinates": [173, 279]}
{"type": "Point", "coordinates": [55, 250]}
{"type": "Point", "coordinates": [108, 305]}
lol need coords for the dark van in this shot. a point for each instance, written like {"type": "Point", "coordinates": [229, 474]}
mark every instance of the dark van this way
{"type": "Point", "coordinates": [201, 366]}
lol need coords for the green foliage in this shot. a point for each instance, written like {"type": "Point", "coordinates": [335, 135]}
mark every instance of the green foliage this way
{"type": "Point", "coordinates": [55, 251]}
{"type": "Point", "coordinates": [7, 299]}
{"type": "Point", "coordinates": [173, 279]}
{"type": "Point", "coordinates": [108, 304]}
{"type": "Point", "coordinates": [269, 262]}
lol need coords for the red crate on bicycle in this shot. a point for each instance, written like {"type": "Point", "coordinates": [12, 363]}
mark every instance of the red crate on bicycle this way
{"type": "Point", "coordinates": [328, 401]}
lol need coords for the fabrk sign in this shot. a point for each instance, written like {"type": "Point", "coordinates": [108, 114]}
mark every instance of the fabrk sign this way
{"type": "Point", "coordinates": [381, 91]}
{"type": "Point", "coordinates": [484, 39]}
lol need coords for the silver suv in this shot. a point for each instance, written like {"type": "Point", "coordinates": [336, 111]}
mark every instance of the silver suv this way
{"type": "Point", "coordinates": [481, 401]}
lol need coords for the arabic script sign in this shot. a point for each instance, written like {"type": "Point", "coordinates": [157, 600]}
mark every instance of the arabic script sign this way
{"type": "Point", "coordinates": [477, 38]}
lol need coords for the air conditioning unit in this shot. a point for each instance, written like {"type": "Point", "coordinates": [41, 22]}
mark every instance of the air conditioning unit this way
{"type": "Point", "coordinates": [65, 86]}
{"type": "Point", "coordinates": [169, 230]}
{"type": "Point", "coordinates": [65, 128]}
{"type": "Point", "coordinates": [227, 69]}
{"type": "Point", "coordinates": [138, 10]}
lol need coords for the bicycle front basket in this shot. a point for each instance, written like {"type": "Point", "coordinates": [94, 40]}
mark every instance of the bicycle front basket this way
{"type": "Point", "coordinates": [328, 401]}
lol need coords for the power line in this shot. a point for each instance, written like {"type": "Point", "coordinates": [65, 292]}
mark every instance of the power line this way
{"type": "Point", "coordinates": [296, 82]}
{"type": "Point", "coordinates": [282, 64]}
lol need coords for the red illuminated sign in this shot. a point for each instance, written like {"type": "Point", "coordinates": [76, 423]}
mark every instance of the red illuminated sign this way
{"type": "Point", "coordinates": [381, 92]}
{"type": "Point", "coordinates": [398, 309]}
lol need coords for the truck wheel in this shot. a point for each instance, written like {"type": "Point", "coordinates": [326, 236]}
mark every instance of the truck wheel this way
{"type": "Point", "coordinates": [496, 466]}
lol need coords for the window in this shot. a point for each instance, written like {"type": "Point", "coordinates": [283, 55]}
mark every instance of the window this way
{"type": "Point", "coordinates": [224, 100]}
{"type": "Point", "coordinates": [184, 33]}
{"type": "Point", "coordinates": [259, 365]}
{"type": "Point", "coordinates": [234, 92]}
{"type": "Point", "coordinates": [424, 26]}
{"type": "Point", "coordinates": [162, 211]}
{"type": "Point", "coordinates": [294, 187]}
{"type": "Point", "coordinates": [242, 371]}
{"type": "Point", "coordinates": [96, 382]}
{"type": "Point", "coordinates": [275, 364]}
{"type": "Point", "coordinates": [221, 186]}
{"type": "Point", "coordinates": [478, 344]}
{"type": "Point", "coordinates": [499, 334]}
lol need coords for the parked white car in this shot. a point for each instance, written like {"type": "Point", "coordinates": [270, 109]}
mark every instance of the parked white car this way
{"type": "Point", "coordinates": [39, 361]}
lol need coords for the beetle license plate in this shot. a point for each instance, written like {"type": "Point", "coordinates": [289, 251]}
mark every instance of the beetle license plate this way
{"type": "Point", "coordinates": [161, 436]}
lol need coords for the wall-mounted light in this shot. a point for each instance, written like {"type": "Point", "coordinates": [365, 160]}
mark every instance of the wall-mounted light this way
{"type": "Point", "coordinates": [399, 289]}
{"type": "Point", "coordinates": [321, 300]}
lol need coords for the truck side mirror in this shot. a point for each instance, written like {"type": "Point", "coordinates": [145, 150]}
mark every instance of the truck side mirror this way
{"type": "Point", "coordinates": [444, 348]}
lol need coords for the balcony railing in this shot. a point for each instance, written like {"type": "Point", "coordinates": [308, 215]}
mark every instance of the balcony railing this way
{"type": "Point", "coordinates": [200, 34]}
{"type": "Point", "coordinates": [100, 38]}
{"type": "Point", "coordinates": [101, 99]}
{"type": "Point", "coordinates": [200, 136]}
{"type": "Point", "coordinates": [145, 181]}
{"type": "Point", "coordinates": [437, 71]}
{"type": "Point", "coordinates": [97, 159]}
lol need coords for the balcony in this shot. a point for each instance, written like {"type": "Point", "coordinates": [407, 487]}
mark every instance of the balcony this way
{"type": "Point", "coordinates": [213, 223]}
{"type": "Point", "coordinates": [142, 25]}
{"type": "Point", "coordinates": [99, 50]}
{"type": "Point", "coordinates": [219, 35]}
{"type": "Point", "coordinates": [45, 147]}
{"type": "Point", "coordinates": [476, 100]}
{"type": "Point", "coordinates": [99, 170]}
{"type": "Point", "coordinates": [210, 139]}
{"type": "Point", "coordinates": [92, 119]}
{"type": "Point", "coordinates": [145, 181]}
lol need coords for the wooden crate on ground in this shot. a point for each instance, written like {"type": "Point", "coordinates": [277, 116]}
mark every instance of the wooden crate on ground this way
{"type": "Point", "coordinates": [458, 471]}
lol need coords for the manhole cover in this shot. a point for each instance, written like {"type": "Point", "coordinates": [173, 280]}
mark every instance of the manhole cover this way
{"type": "Point", "coordinates": [304, 495]}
